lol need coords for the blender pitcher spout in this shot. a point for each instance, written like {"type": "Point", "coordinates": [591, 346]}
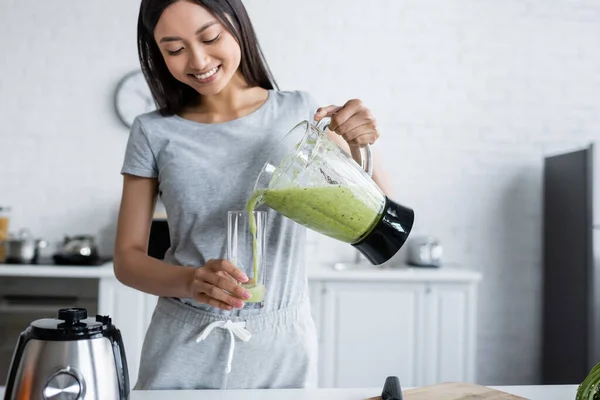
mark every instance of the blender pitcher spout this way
{"type": "Point", "coordinates": [256, 200]}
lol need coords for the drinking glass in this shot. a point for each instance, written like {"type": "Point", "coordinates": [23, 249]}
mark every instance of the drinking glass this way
{"type": "Point", "coordinates": [246, 250]}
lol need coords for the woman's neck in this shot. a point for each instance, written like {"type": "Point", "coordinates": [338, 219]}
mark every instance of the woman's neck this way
{"type": "Point", "coordinates": [236, 100]}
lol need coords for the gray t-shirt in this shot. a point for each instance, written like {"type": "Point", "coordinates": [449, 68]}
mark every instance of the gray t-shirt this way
{"type": "Point", "coordinates": [205, 170]}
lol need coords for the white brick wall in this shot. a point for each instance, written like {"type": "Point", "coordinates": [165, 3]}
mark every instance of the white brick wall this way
{"type": "Point", "coordinates": [469, 96]}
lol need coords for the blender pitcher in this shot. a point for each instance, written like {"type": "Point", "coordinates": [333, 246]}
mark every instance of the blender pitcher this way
{"type": "Point", "coordinates": [311, 180]}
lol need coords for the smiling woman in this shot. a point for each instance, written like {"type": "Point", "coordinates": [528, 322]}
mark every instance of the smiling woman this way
{"type": "Point", "coordinates": [183, 61]}
{"type": "Point", "coordinates": [201, 152]}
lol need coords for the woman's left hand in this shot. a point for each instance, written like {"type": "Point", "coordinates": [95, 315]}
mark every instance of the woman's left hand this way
{"type": "Point", "coordinates": [353, 121]}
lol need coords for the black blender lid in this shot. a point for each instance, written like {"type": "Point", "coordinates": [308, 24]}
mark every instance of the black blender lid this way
{"type": "Point", "coordinates": [71, 324]}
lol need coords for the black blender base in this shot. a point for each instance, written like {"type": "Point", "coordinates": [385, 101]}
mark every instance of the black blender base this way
{"type": "Point", "coordinates": [389, 235]}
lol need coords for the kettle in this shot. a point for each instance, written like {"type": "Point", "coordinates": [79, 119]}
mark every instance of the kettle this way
{"type": "Point", "coordinates": [425, 251]}
{"type": "Point", "coordinates": [72, 358]}
{"type": "Point", "coordinates": [309, 179]}
{"type": "Point", "coordinates": [77, 250]}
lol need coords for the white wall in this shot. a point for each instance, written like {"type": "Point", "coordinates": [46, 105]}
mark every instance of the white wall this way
{"type": "Point", "coordinates": [469, 96]}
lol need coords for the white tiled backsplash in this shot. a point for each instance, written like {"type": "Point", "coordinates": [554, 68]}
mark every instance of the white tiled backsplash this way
{"type": "Point", "coordinates": [469, 95]}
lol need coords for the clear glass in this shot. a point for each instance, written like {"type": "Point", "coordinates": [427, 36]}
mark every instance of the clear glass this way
{"type": "Point", "coordinates": [311, 180]}
{"type": "Point", "coordinates": [246, 250]}
{"type": "Point", "coordinates": [4, 219]}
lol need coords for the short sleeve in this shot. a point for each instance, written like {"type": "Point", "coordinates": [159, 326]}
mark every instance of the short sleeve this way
{"type": "Point", "coordinates": [139, 157]}
{"type": "Point", "coordinates": [311, 104]}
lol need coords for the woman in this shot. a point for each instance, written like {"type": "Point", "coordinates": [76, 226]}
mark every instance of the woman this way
{"type": "Point", "coordinates": [201, 153]}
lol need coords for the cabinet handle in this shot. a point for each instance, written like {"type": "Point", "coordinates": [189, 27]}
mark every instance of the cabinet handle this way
{"type": "Point", "coordinates": [428, 290]}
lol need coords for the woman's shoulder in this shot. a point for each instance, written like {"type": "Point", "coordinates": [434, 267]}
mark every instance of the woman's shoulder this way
{"type": "Point", "coordinates": [296, 99]}
{"type": "Point", "coordinates": [153, 118]}
{"type": "Point", "coordinates": [152, 124]}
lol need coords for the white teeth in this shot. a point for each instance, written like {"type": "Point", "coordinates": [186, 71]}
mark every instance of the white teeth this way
{"type": "Point", "coordinates": [208, 74]}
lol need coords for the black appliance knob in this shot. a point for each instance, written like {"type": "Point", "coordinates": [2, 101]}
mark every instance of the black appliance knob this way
{"type": "Point", "coordinates": [72, 315]}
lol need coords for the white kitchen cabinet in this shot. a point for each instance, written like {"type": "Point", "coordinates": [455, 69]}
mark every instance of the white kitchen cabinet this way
{"type": "Point", "coordinates": [131, 311]}
{"type": "Point", "coordinates": [450, 333]}
{"type": "Point", "coordinates": [371, 331]}
{"type": "Point", "coordinates": [315, 289]}
{"type": "Point", "coordinates": [418, 326]}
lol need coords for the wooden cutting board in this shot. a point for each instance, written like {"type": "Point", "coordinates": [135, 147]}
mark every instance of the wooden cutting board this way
{"type": "Point", "coordinates": [455, 391]}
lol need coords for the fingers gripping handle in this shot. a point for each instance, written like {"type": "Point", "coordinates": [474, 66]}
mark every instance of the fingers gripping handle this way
{"type": "Point", "coordinates": [366, 158]}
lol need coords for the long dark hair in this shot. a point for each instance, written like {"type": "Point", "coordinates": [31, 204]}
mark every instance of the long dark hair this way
{"type": "Point", "coordinates": [171, 95]}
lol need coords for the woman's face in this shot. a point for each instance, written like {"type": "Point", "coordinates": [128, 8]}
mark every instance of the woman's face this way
{"type": "Point", "coordinates": [197, 49]}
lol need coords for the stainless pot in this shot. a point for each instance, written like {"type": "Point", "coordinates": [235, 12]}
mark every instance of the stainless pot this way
{"type": "Point", "coordinates": [23, 248]}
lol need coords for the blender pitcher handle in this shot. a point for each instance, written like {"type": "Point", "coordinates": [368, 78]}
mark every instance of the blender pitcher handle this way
{"type": "Point", "coordinates": [366, 156]}
{"type": "Point", "coordinates": [367, 159]}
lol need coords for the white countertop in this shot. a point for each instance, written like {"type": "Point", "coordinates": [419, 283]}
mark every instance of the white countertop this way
{"type": "Point", "coordinates": [324, 273]}
{"type": "Point", "coordinates": [401, 273]}
{"type": "Point", "coordinates": [93, 271]}
{"type": "Point", "coordinates": [552, 392]}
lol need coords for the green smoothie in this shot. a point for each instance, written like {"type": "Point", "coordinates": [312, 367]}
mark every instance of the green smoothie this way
{"type": "Point", "coordinates": [341, 212]}
{"type": "Point", "coordinates": [252, 221]}
{"type": "Point", "coordinates": [256, 289]}
{"type": "Point", "coordinates": [257, 292]}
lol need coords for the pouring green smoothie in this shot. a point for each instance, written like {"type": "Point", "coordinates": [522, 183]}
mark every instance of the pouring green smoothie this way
{"type": "Point", "coordinates": [340, 212]}
{"type": "Point", "coordinates": [337, 211]}
{"type": "Point", "coordinates": [319, 186]}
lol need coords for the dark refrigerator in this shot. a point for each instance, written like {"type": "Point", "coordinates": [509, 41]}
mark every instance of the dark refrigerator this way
{"type": "Point", "coordinates": [571, 265]}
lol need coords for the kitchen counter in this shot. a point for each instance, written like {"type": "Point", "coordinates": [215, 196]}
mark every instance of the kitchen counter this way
{"type": "Point", "coordinates": [323, 273]}
{"type": "Point", "coordinates": [58, 271]}
{"type": "Point", "coordinates": [365, 272]}
{"type": "Point", "coordinates": [551, 392]}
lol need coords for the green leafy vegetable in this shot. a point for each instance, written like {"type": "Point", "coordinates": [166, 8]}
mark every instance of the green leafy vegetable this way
{"type": "Point", "coordinates": [590, 387]}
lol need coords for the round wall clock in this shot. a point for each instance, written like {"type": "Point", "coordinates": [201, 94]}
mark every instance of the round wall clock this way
{"type": "Point", "coordinates": [133, 97]}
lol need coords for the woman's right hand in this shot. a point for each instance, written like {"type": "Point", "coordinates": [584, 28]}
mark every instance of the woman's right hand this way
{"type": "Point", "coordinates": [215, 284]}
